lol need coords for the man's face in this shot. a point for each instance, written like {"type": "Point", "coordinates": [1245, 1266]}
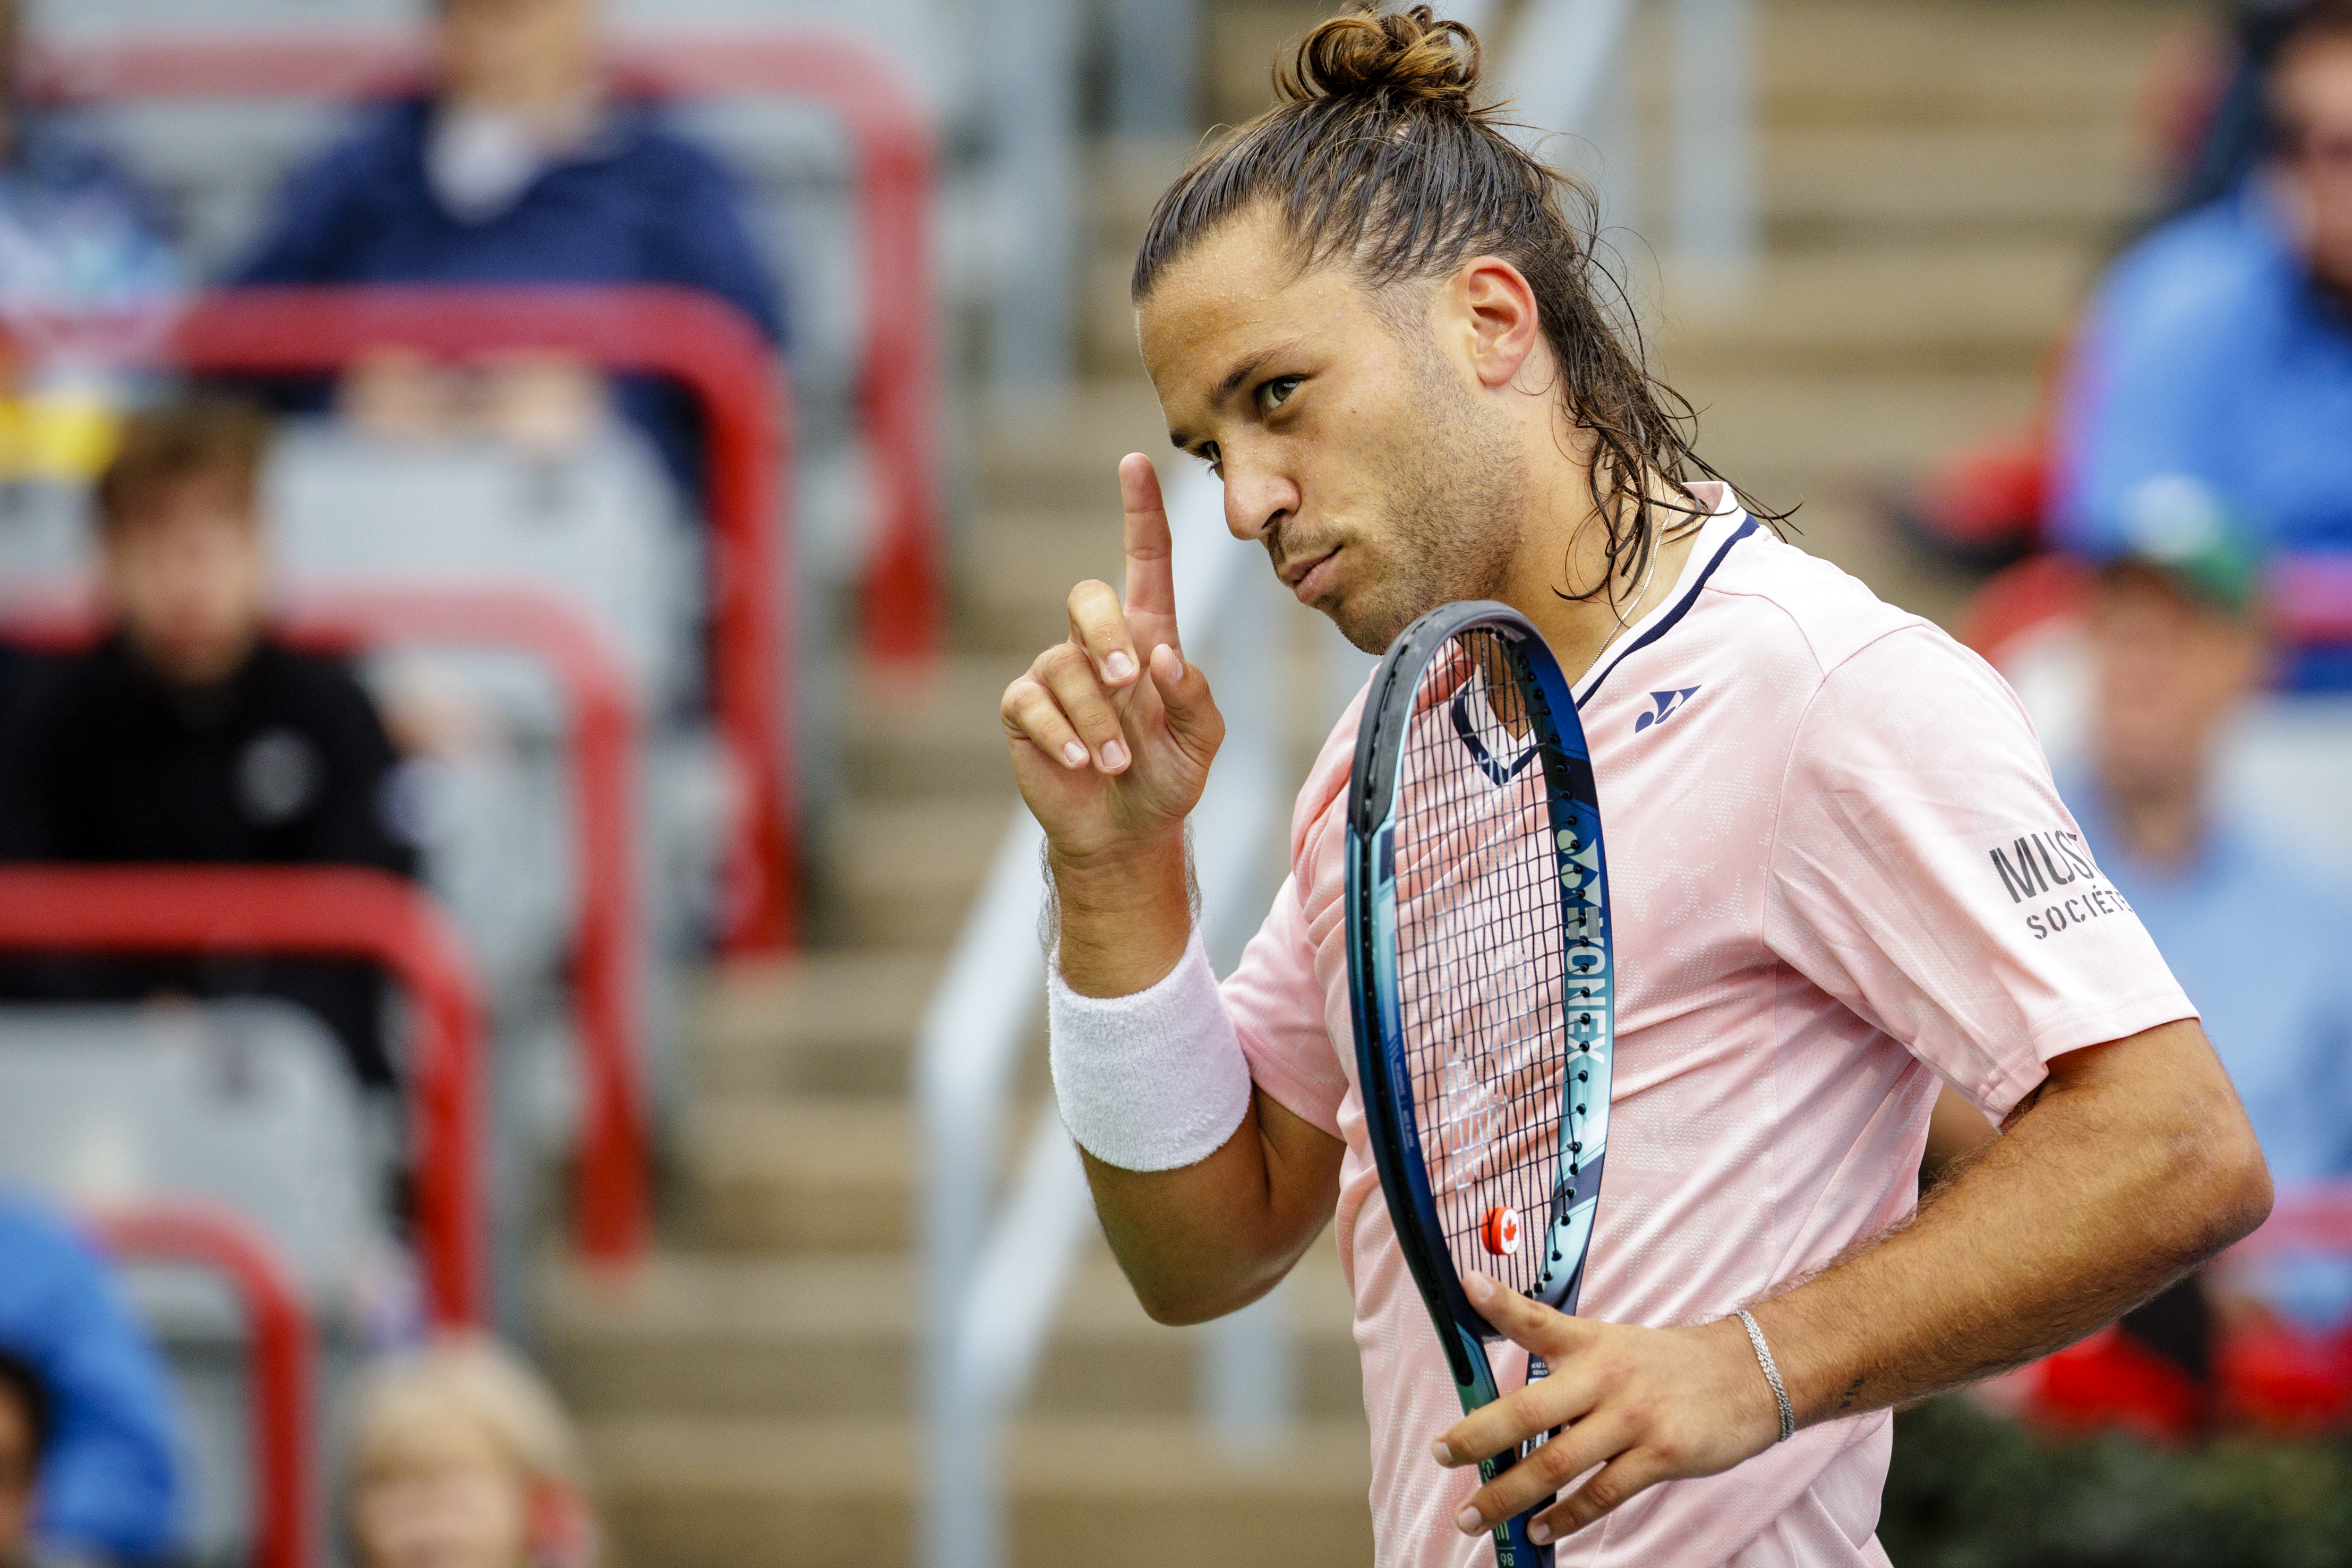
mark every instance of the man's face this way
{"type": "Point", "coordinates": [1364, 459]}
{"type": "Point", "coordinates": [2311, 97]}
{"type": "Point", "coordinates": [2169, 673]}
{"type": "Point", "coordinates": [185, 574]}
{"type": "Point", "coordinates": [501, 40]}
{"type": "Point", "coordinates": [18, 1464]}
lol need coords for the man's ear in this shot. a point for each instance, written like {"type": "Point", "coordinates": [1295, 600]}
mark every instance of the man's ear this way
{"type": "Point", "coordinates": [1498, 308]}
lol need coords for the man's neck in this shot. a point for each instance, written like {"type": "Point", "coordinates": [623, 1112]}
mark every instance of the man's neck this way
{"type": "Point", "coordinates": [556, 90]}
{"type": "Point", "coordinates": [1565, 559]}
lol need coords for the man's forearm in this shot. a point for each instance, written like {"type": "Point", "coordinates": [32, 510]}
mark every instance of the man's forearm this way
{"type": "Point", "coordinates": [2131, 1166]}
{"type": "Point", "coordinates": [1205, 1238]}
{"type": "Point", "coordinates": [1210, 1238]}
{"type": "Point", "coordinates": [1123, 919]}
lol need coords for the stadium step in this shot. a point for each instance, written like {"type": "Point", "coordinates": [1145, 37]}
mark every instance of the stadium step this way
{"type": "Point", "coordinates": [1124, 1493]}
{"type": "Point", "coordinates": [792, 1173]}
{"type": "Point", "coordinates": [835, 1335]}
{"type": "Point", "coordinates": [936, 734]}
{"type": "Point", "coordinates": [837, 1022]}
{"type": "Point", "coordinates": [904, 869]}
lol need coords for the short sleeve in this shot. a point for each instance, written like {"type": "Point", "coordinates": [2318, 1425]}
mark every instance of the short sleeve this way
{"type": "Point", "coordinates": [1275, 1003]}
{"type": "Point", "coordinates": [1926, 874]}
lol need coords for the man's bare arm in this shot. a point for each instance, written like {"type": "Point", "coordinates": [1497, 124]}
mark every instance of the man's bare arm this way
{"type": "Point", "coordinates": [1111, 734]}
{"type": "Point", "coordinates": [2131, 1165]}
{"type": "Point", "coordinates": [1211, 1238]}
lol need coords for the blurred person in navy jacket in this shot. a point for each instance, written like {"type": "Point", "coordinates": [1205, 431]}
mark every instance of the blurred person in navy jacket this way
{"type": "Point", "coordinates": [87, 1470]}
{"type": "Point", "coordinates": [191, 735]}
{"type": "Point", "coordinates": [522, 169]}
{"type": "Point", "coordinates": [2217, 353]}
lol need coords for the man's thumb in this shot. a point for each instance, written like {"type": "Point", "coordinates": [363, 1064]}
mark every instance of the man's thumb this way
{"type": "Point", "coordinates": [1184, 693]}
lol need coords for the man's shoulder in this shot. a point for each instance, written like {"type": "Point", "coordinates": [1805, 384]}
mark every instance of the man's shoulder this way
{"type": "Point", "coordinates": [2299, 887]}
{"type": "Point", "coordinates": [647, 149]}
{"type": "Point", "coordinates": [65, 687]}
{"type": "Point", "coordinates": [379, 139]}
{"type": "Point", "coordinates": [2196, 279]}
{"type": "Point", "coordinates": [317, 686]}
{"type": "Point", "coordinates": [1324, 796]}
{"type": "Point", "coordinates": [39, 1252]}
{"type": "Point", "coordinates": [1771, 603]}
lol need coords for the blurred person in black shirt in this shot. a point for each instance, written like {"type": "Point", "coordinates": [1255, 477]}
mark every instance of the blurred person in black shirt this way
{"type": "Point", "coordinates": [191, 735]}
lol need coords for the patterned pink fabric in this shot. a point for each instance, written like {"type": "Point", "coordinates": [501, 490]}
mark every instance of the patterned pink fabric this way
{"type": "Point", "coordinates": [1839, 869]}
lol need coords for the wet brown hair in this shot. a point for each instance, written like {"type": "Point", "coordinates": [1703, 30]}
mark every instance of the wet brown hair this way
{"type": "Point", "coordinates": [1378, 155]}
{"type": "Point", "coordinates": [160, 449]}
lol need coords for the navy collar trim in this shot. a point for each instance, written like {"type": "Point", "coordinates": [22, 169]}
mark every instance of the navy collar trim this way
{"type": "Point", "coordinates": [1666, 622]}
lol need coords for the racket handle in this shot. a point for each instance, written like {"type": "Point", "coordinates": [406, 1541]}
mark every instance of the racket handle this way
{"type": "Point", "coordinates": [1512, 1547]}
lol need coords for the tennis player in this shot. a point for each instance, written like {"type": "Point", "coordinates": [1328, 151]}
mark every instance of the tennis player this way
{"type": "Point", "coordinates": [1841, 874]}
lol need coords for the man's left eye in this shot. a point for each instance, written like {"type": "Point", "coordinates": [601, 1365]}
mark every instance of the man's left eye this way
{"type": "Point", "coordinates": [1276, 393]}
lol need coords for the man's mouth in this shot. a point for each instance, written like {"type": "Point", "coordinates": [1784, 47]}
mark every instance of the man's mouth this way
{"type": "Point", "coordinates": [1308, 576]}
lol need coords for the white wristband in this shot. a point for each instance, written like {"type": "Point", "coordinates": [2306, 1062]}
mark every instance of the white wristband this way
{"type": "Point", "coordinates": [1151, 1082]}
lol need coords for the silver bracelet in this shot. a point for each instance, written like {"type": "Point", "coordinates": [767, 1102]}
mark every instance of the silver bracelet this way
{"type": "Point", "coordinates": [1771, 1373]}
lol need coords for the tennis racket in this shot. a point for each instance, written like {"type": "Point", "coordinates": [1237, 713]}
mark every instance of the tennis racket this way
{"type": "Point", "coordinates": [1479, 969]}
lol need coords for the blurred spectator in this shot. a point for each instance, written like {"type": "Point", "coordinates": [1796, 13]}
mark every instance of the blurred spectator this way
{"type": "Point", "coordinates": [87, 289]}
{"type": "Point", "coordinates": [190, 734]}
{"type": "Point", "coordinates": [2260, 940]}
{"type": "Point", "coordinates": [2222, 124]}
{"type": "Point", "coordinates": [522, 171]}
{"type": "Point", "coordinates": [2218, 355]}
{"type": "Point", "coordinates": [87, 1466]}
{"type": "Point", "coordinates": [460, 1457]}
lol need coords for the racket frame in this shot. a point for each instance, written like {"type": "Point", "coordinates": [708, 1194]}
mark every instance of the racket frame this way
{"type": "Point", "coordinates": [1384, 1074]}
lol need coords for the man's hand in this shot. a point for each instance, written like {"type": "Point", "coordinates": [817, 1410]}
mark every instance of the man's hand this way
{"type": "Point", "coordinates": [1112, 762]}
{"type": "Point", "coordinates": [2132, 1163]}
{"type": "Point", "coordinates": [1105, 758]}
{"type": "Point", "coordinates": [1644, 1405]}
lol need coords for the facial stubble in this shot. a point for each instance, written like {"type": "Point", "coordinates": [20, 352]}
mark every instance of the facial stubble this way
{"type": "Point", "coordinates": [1453, 503]}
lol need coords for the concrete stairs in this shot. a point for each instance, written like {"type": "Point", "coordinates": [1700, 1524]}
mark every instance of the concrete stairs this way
{"type": "Point", "coordinates": [747, 1396]}
{"type": "Point", "coordinates": [1941, 178]}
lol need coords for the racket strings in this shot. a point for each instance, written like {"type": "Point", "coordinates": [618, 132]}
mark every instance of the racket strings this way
{"type": "Point", "coordinates": [1481, 945]}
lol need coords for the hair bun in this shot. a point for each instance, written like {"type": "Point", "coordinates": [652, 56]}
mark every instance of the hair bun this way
{"type": "Point", "coordinates": [1410, 56]}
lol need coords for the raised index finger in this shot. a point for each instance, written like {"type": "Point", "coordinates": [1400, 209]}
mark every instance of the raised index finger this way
{"type": "Point", "coordinates": [1151, 574]}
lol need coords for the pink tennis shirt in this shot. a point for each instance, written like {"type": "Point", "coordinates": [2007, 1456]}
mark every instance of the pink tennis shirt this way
{"type": "Point", "coordinates": [1840, 870]}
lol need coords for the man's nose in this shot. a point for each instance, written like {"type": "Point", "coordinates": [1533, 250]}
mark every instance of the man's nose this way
{"type": "Point", "coordinates": [1257, 500]}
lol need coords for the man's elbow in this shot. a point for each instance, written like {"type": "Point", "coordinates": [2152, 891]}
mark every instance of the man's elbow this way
{"type": "Point", "coordinates": [1178, 1306]}
{"type": "Point", "coordinates": [2233, 1183]}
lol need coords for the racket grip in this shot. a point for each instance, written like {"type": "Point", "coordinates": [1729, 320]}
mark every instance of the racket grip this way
{"type": "Point", "coordinates": [1512, 1547]}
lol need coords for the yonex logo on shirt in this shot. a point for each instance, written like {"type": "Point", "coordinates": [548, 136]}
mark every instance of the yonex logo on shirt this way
{"type": "Point", "coordinates": [1667, 703]}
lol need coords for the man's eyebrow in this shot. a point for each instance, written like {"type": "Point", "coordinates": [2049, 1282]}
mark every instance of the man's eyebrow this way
{"type": "Point", "coordinates": [1232, 382]}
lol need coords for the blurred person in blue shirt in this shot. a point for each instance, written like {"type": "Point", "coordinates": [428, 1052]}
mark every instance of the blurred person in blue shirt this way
{"type": "Point", "coordinates": [522, 169]}
{"type": "Point", "coordinates": [88, 1470]}
{"type": "Point", "coordinates": [2218, 350]}
{"type": "Point", "coordinates": [2258, 937]}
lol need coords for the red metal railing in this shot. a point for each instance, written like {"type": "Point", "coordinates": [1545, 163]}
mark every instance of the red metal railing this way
{"type": "Point", "coordinates": [308, 912]}
{"type": "Point", "coordinates": [279, 1363]}
{"type": "Point", "coordinates": [891, 141]}
{"type": "Point", "coordinates": [610, 1176]}
{"type": "Point", "coordinates": [701, 342]}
